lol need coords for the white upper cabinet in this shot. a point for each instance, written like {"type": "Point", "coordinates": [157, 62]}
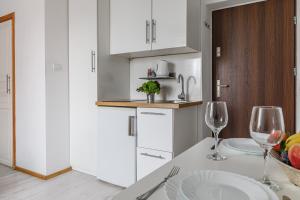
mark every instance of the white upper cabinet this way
{"type": "Point", "coordinates": [130, 24]}
{"type": "Point", "coordinates": [169, 23]}
{"type": "Point", "coordinates": [142, 28]}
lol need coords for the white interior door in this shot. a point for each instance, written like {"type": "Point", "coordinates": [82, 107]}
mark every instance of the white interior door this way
{"type": "Point", "coordinates": [169, 24]}
{"type": "Point", "coordinates": [6, 93]}
{"type": "Point", "coordinates": [83, 84]}
{"type": "Point", "coordinates": [130, 26]}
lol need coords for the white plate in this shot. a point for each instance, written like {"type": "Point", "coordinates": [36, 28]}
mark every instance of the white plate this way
{"type": "Point", "coordinates": [246, 145]}
{"type": "Point", "coordinates": [217, 185]}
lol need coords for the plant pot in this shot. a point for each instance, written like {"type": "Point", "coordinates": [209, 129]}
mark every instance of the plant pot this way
{"type": "Point", "coordinates": [150, 98]}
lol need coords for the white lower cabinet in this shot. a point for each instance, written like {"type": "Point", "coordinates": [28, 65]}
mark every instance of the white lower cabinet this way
{"type": "Point", "coordinates": [155, 128]}
{"type": "Point", "coordinates": [149, 160]}
{"type": "Point", "coordinates": [162, 135]}
{"type": "Point", "coordinates": [132, 143]}
{"type": "Point", "coordinates": [117, 146]}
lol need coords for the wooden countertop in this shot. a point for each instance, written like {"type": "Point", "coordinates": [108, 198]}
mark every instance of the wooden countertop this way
{"type": "Point", "coordinates": [144, 104]}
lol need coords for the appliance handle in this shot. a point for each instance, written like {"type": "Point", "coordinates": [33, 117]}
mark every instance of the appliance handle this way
{"type": "Point", "coordinates": [152, 113]}
{"type": "Point", "coordinates": [132, 126]}
{"type": "Point", "coordinates": [153, 156]}
{"type": "Point", "coordinates": [147, 31]}
{"type": "Point", "coordinates": [154, 31]}
{"type": "Point", "coordinates": [93, 60]}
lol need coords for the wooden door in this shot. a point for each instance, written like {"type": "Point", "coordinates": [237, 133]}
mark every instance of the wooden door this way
{"type": "Point", "coordinates": [169, 27]}
{"type": "Point", "coordinates": [130, 26]}
{"type": "Point", "coordinates": [254, 54]}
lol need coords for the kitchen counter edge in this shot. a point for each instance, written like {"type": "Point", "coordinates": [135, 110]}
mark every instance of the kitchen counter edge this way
{"type": "Point", "coordinates": [144, 104]}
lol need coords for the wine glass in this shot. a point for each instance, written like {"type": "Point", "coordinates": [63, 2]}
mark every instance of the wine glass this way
{"type": "Point", "coordinates": [216, 118]}
{"type": "Point", "coordinates": [267, 129]}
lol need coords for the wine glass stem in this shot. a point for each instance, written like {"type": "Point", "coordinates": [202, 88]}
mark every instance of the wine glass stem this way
{"type": "Point", "coordinates": [266, 157]}
{"type": "Point", "coordinates": [216, 142]}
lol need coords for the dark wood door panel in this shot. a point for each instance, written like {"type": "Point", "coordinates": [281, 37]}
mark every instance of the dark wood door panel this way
{"type": "Point", "coordinates": [257, 60]}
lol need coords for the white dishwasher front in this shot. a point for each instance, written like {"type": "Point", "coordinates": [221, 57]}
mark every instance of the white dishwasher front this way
{"type": "Point", "coordinates": [117, 145]}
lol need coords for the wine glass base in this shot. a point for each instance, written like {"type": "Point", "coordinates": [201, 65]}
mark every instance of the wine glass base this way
{"type": "Point", "coordinates": [216, 157]}
{"type": "Point", "coordinates": [271, 184]}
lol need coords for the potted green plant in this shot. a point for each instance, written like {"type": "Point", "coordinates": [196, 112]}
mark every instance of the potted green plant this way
{"type": "Point", "coordinates": [150, 88]}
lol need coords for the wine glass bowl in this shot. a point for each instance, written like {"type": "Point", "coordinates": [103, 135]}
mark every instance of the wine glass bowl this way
{"type": "Point", "coordinates": [216, 118]}
{"type": "Point", "coordinates": [267, 129]}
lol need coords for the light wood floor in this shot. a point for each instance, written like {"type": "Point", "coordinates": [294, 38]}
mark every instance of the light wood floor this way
{"type": "Point", "coordinates": [4, 171]}
{"type": "Point", "coordinates": [70, 186]}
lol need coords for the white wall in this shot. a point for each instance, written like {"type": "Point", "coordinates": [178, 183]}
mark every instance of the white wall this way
{"type": "Point", "coordinates": [113, 71]}
{"type": "Point", "coordinates": [30, 82]}
{"type": "Point", "coordinates": [189, 65]}
{"type": "Point", "coordinates": [57, 86]}
{"type": "Point", "coordinates": [42, 129]}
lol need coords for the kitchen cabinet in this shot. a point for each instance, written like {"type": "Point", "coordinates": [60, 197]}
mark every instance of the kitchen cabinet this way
{"type": "Point", "coordinates": [149, 160]}
{"type": "Point", "coordinates": [130, 26]}
{"type": "Point", "coordinates": [117, 145]}
{"type": "Point", "coordinates": [142, 28]}
{"type": "Point", "coordinates": [162, 135]}
{"type": "Point", "coordinates": [155, 128]}
{"type": "Point", "coordinates": [83, 84]}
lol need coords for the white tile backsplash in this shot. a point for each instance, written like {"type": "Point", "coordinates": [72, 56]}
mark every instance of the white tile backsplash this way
{"type": "Point", "coordinates": [189, 65]}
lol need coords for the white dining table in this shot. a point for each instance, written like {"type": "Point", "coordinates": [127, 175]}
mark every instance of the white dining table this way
{"type": "Point", "coordinates": [194, 159]}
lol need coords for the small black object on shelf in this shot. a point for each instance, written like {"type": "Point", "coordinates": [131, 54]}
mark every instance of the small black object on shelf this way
{"type": "Point", "coordinates": [171, 76]}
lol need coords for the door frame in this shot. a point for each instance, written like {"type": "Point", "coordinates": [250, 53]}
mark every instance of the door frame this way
{"type": "Point", "coordinates": [6, 18]}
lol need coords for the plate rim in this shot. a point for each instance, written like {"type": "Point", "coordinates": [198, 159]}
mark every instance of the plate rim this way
{"type": "Point", "coordinates": [227, 145]}
{"type": "Point", "coordinates": [179, 179]}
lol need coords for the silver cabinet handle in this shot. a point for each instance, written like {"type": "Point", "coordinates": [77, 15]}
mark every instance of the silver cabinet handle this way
{"type": "Point", "coordinates": [132, 126]}
{"type": "Point", "coordinates": [152, 113]}
{"type": "Point", "coordinates": [153, 30]}
{"type": "Point", "coordinates": [93, 60]}
{"type": "Point", "coordinates": [8, 89]}
{"type": "Point", "coordinates": [219, 86]}
{"type": "Point", "coordinates": [153, 156]}
{"type": "Point", "coordinates": [147, 31]}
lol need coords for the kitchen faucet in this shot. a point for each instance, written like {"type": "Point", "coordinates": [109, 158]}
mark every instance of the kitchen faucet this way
{"type": "Point", "coordinates": [181, 80]}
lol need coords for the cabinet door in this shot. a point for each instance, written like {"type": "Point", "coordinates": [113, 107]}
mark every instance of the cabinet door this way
{"type": "Point", "coordinates": [130, 24]}
{"type": "Point", "coordinates": [149, 160]}
{"type": "Point", "coordinates": [117, 146]}
{"type": "Point", "coordinates": [83, 84]}
{"type": "Point", "coordinates": [169, 24]}
{"type": "Point", "coordinates": [155, 129]}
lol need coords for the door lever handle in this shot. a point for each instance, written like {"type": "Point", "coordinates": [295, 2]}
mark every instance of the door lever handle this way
{"type": "Point", "coordinates": [219, 86]}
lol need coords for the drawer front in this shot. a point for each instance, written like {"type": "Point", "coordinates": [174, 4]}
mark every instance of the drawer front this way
{"type": "Point", "coordinates": [149, 160]}
{"type": "Point", "coordinates": [155, 129]}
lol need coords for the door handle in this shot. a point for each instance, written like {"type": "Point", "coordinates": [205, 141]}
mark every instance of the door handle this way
{"type": "Point", "coordinates": [8, 89]}
{"type": "Point", "coordinates": [147, 31]}
{"type": "Point", "coordinates": [153, 31]}
{"type": "Point", "coordinates": [152, 113]}
{"type": "Point", "coordinates": [219, 86]}
{"type": "Point", "coordinates": [93, 61]}
{"type": "Point", "coordinates": [153, 156]}
{"type": "Point", "coordinates": [132, 126]}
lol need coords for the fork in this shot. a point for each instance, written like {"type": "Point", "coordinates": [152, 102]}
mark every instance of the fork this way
{"type": "Point", "coordinates": [175, 170]}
